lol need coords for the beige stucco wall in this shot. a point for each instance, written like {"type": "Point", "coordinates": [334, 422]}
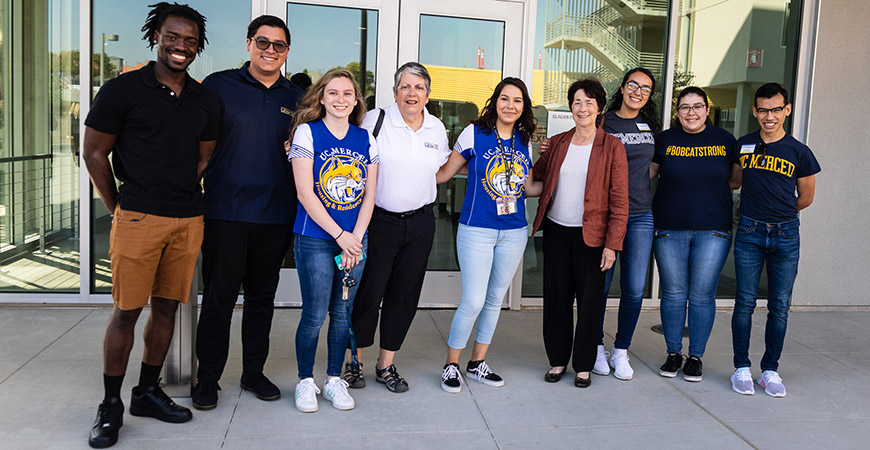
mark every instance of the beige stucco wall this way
{"type": "Point", "coordinates": [835, 242]}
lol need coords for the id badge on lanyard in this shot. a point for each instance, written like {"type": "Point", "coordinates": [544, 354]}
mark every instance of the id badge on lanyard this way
{"type": "Point", "coordinates": [506, 205]}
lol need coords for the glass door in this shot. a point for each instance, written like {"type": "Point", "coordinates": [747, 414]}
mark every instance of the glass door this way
{"type": "Point", "coordinates": [466, 46]}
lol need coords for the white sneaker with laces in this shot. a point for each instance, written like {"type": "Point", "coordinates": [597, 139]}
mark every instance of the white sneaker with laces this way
{"type": "Point", "coordinates": [601, 367]}
{"type": "Point", "coordinates": [306, 395]}
{"type": "Point", "coordinates": [621, 368]}
{"type": "Point", "coordinates": [772, 383]}
{"type": "Point", "coordinates": [741, 381]}
{"type": "Point", "coordinates": [335, 390]}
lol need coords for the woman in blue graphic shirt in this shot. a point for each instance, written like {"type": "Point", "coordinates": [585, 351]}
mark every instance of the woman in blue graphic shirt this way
{"type": "Point", "coordinates": [697, 169]}
{"type": "Point", "coordinates": [492, 231]}
{"type": "Point", "coordinates": [335, 168]}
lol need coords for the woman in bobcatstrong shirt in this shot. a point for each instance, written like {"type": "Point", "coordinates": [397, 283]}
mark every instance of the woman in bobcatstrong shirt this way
{"type": "Point", "coordinates": [492, 226]}
{"type": "Point", "coordinates": [335, 164]}
{"type": "Point", "coordinates": [632, 117]}
{"type": "Point", "coordinates": [697, 169]}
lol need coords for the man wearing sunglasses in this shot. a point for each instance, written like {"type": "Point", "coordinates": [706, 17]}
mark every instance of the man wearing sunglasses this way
{"type": "Point", "coordinates": [778, 181]}
{"type": "Point", "coordinates": [250, 204]}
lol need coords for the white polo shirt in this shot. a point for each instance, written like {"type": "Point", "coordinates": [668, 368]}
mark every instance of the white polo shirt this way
{"type": "Point", "coordinates": [408, 159]}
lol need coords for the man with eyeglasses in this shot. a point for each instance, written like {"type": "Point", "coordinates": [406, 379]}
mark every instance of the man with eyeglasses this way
{"type": "Point", "coordinates": [250, 202]}
{"type": "Point", "coordinates": [778, 181]}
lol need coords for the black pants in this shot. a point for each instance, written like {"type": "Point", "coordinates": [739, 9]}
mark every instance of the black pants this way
{"type": "Point", "coordinates": [238, 254]}
{"type": "Point", "coordinates": [397, 257]}
{"type": "Point", "coordinates": [571, 268]}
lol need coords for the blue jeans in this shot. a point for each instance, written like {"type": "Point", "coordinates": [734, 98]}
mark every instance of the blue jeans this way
{"type": "Point", "coordinates": [320, 281]}
{"type": "Point", "coordinates": [757, 243]}
{"type": "Point", "coordinates": [633, 261]}
{"type": "Point", "coordinates": [690, 263]}
{"type": "Point", "coordinates": [488, 259]}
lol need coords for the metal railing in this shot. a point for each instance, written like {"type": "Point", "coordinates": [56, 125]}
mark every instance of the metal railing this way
{"type": "Point", "coordinates": [587, 27]}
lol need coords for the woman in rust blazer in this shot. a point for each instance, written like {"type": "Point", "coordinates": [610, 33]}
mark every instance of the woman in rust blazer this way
{"type": "Point", "coordinates": [583, 211]}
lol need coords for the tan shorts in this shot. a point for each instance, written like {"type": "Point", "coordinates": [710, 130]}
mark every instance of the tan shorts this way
{"type": "Point", "coordinates": [152, 256]}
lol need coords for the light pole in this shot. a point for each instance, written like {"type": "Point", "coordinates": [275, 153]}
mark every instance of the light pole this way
{"type": "Point", "coordinates": [103, 38]}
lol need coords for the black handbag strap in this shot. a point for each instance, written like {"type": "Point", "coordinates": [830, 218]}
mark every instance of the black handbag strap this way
{"type": "Point", "coordinates": [379, 123]}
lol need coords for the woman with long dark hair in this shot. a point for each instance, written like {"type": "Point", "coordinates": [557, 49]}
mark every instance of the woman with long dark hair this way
{"type": "Point", "coordinates": [335, 164]}
{"type": "Point", "coordinates": [632, 116]}
{"type": "Point", "coordinates": [492, 226]}
{"type": "Point", "coordinates": [697, 169]}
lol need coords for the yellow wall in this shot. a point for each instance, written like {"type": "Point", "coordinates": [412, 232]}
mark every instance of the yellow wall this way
{"type": "Point", "coordinates": [458, 84]}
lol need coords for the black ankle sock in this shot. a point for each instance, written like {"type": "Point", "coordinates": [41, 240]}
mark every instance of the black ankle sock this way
{"type": "Point", "coordinates": [112, 385]}
{"type": "Point", "coordinates": [474, 364]}
{"type": "Point", "coordinates": [149, 375]}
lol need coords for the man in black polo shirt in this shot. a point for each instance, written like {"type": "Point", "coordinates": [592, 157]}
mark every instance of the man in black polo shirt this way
{"type": "Point", "coordinates": [160, 126]}
{"type": "Point", "coordinates": [250, 200]}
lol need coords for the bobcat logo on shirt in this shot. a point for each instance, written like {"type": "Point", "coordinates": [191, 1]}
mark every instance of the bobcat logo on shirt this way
{"type": "Point", "coordinates": [503, 181]}
{"type": "Point", "coordinates": [343, 180]}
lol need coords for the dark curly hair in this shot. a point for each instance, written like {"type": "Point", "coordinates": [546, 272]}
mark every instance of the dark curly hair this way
{"type": "Point", "coordinates": [650, 112]}
{"type": "Point", "coordinates": [158, 14]}
{"type": "Point", "coordinates": [592, 88]}
{"type": "Point", "coordinates": [489, 115]}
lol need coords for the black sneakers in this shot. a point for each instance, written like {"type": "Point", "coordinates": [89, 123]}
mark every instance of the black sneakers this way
{"type": "Point", "coordinates": [672, 365]}
{"type": "Point", "coordinates": [110, 418]}
{"type": "Point", "coordinates": [481, 372]}
{"type": "Point", "coordinates": [692, 369]}
{"type": "Point", "coordinates": [153, 402]}
{"type": "Point", "coordinates": [354, 378]}
{"type": "Point", "coordinates": [451, 381]}
{"type": "Point", "coordinates": [391, 378]}
{"type": "Point", "coordinates": [260, 386]}
{"type": "Point", "coordinates": [205, 395]}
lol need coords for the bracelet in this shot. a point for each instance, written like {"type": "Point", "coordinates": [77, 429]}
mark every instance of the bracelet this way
{"type": "Point", "coordinates": [339, 235]}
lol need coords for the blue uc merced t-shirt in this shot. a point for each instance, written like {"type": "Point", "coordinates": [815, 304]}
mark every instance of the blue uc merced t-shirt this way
{"type": "Point", "coordinates": [769, 191]}
{"type": "Point", "coordinates": [488, 178]}
{"type": "Point", "coordinates": [693, 191]}
{"type": "Point", "coordinates": [340, 173]}
{"type": "Point", "coordinates": [639, 142]}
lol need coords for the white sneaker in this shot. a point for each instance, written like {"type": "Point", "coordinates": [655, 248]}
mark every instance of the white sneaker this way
{"type": "Point", "coordinates": [306, 395]}
{"type": "Point", "coordinates": [741, 381]}
{"type": "Point", "coordinates": [772, 383]}
{"type": "Point", "coordinates": [335, 390]}
{"type": "Point", "coordinates": [601, 367]}
{"type": "Point", "coordinates": [619, 361]}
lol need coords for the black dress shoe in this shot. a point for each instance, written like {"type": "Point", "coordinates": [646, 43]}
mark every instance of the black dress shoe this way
{"type": "Point", "coordinates": [581, 382]}
{"type": "Point", "coordinates": [205, 395]}
{"type": "Point", "coordinates": [551, 377]}
{"type": "Point", "coordinates": [260, 386]}
{"type": "Point", "coordinates": [110, 418]}
{"type": "Point", "coordinates": [153, 402]}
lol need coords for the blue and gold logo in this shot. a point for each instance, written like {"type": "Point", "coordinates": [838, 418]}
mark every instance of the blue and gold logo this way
{"type": "Point", "coordinates": [342, 181]}
{"type": "Point", "coordinates": [503, 181]}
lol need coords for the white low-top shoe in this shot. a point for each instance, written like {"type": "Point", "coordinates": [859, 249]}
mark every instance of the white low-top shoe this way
{"type": "Point", "coordinates": [772, 383]}
{"type": "Point", "coordinates": [619, 361]}
{"type": "Point", "coordinates": [306, 395]}
{"type": "Point", "coordinates": [741, 381]}
{"type": "Point", "coordinates": [335, 390]}
{"type": "Point", "coordinates": [601, 367]}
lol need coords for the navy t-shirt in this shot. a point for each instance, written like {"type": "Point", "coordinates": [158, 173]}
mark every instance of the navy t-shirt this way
{"type": "Point", "coordinates": [639, 142]}
{"type": "Point", "coordinates": [693, 191]}
{"type": "Point", "coordinates": [249, 178]}
{"type": "Point", "coordinates": [769, 192]}
{"type": "Point", "coordinates": [489, 178]}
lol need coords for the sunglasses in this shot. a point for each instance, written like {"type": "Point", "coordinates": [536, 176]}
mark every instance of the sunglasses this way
{"type": "Point", "coordinates": [761, 149]}
{"type": "Point", "coordinates": [263, 44]}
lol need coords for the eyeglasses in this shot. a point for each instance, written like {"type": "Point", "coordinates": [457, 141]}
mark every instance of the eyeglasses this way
{"type": "Point", "coordinates": [279, 46]}
{"type": "Point", "coordinates": [697, 107]}
{"type": "Point", "coordinates": [761, 150]}
{"type": "Point", "coordinates": [763, 111]}
{"type": "Point", "coordinates": [633, 86]}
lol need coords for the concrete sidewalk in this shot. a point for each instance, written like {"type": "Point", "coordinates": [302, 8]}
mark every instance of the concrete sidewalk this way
{"type": "Point", "coordinates": [51, 365]}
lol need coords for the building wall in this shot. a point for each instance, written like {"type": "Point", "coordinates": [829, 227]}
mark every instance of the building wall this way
{"type": "Point", "coordinates": [835, 245]}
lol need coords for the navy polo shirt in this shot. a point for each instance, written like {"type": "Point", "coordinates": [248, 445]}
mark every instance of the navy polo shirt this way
{"type": "Point", "coordinates": [249, 178]}
{"type": "Point", "coordinates": [158, 134]}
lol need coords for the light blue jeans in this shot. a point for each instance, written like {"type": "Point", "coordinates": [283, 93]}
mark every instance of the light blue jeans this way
{"type": "Point", "coordinates": [690, 263]}
{"type": "Point", "coordinates": [488, 259]}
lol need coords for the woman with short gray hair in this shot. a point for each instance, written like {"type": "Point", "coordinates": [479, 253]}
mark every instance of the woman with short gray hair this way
{"type": "Point", "coordinates": [413, 146]}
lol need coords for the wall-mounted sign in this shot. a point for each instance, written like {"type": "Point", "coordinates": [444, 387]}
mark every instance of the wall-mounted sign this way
{"type": "Point", "coordinates": [754, 57]}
